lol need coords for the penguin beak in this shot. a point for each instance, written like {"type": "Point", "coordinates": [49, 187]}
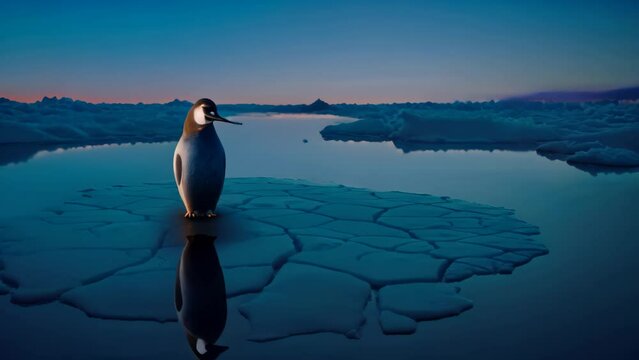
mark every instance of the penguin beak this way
{"type": "Point", "coordinates": [219, 118]}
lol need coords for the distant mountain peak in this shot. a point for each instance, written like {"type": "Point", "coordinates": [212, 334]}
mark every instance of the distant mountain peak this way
{"type": "Point", "coordinates": [55, 99]}
{"type": "Point", "coordinates": [179, 102]}
{"type": "Point", "coordinates": [318, 105]}
{"type": "Point", "coordinates": [319, 101]}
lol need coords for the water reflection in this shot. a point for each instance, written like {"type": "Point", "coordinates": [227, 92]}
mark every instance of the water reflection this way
{"type": "Point", "coordinates": [23, 152]}
{"type": "Point", "coordinates": [408, 147]}
{"type": "Point", "coordinates": [200, 296]}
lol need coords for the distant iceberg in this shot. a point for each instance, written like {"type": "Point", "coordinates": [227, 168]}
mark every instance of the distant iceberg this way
{"type": "Point", "coordinates": [595, 133]}
{"type": "Point", "coordinates": [598, 133]}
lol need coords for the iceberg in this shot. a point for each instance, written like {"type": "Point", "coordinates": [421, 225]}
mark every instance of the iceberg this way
{"type": "Point", "coordinates": [555, 130]}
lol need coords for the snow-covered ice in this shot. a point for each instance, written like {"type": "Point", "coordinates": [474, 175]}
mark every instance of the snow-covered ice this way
{"type": "Point", "coordinates": [593, 133]}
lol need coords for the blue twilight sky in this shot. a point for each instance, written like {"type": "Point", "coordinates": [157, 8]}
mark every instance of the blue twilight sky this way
{"type": "Point", "coordinates": [296, 51]}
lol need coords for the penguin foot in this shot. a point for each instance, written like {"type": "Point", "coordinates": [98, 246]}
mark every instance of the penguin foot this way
{"type": "Point", "coordinates": [210, 214]}
{"type": "Point", "coordinates": [192, 214]}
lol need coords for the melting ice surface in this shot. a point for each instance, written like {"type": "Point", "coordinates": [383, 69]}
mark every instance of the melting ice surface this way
{"type": "Point", "coordinates": [128, 269]}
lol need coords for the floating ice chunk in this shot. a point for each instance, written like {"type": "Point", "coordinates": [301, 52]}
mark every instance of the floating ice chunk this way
{"type": "Point", "coordinates": [234, 199]}
{"type": "Point", "coordinates": [43, 276]}
{"type": "Point", "coordinates": [512, 258]}
{"type": "Point", "coordinates": [486, 266]}
{"type": "Point", "coordinates": [281, 202]}
{"type": "Point", "coordinates": [466, 224]}
{"type": "Point", "coordinates": [414, 223]}
{"type": "Point", "coordinates": [509, 224]}
{"type": "Point", "coordinates": [382, 242]}
{"type": "Point", "coordinates": [139, 296]}
{"type": "Point", "coordinates": [506, 244]}
{"type": "Point", "coordinates": [266, 213]}
{"type": "Point", "coordinates": [466, 267]}
{"type": "Point", "coordinates": [560, 129]}
{"type": "Point", "coordinates": [606, 156]}
{"type": "Point", "coordinates": [25, 236]}
{"type": "Point", "coordinates": [370, 239]}
{"type": "Point", "coordinates": [164, 259]}
{"type": "Point", "coordinates": [265, 250]}
{"type": "Point", "coordinates": [410, 198]}
{"type": "Point", "coordinates": [423, 301]}
{"type": "Point", "coordinates": [458, 272]}
{"type": "Point", "coordinates": [252, 228]}
{"type": "Point", "coordinates": [296, 302]}
{"type": "Point", "coordinates": [363, 228]}
{"type": "Point", "coordinates": [309, 242]}
{"type": "Point", "coordinates": [366, 129]}
{"type": "Point", "coordinates": [321, 232]}
{"type": "Point", "coordinates": [141, 235]}
{"type": "Point", "coordinates": [262, 184]}
{"type": "Point", "coordinates": [415, 247]}
{"type": "Point", "coordinates": [348, 212]}
{"type": "Point", "coordinates": [71, 334]}
{"type": "Point", "coordinates": [295, 221]}
{"type": "Point", "coordinates": [90, 216]}
{"type": "Point", "coordinates": [419, 210]}
{"type": "Point", "coordinates": [348, 196]}
{"type": "Point", "coordinates": [441, 234]}
{"type": "Point", "coordinates": [460, 205]}
{"type": "Point", "coordinates": [567, 146]}
{"type": "Point", "coordinates": [449, 250]}
{"type": "Point", "coordinates": [266, 193]}
{"type": "Point", "coordinates": [246, 279]}
{"type": "Point", "coordinates": [377, 267]}
{"type": "Point", "coordinates": [153, 207]}
{"type": "Point", "coordinates": [393, 323]}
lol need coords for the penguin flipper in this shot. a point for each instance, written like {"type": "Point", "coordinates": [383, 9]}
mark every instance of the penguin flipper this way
{"type": "Point", "coordinates": [177, 167]}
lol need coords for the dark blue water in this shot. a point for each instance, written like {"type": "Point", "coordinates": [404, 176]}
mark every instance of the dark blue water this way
{"type": "Point", "coordinates": [580, 301]}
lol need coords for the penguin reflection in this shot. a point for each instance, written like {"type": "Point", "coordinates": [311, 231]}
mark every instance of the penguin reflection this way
{"type": "Point", "coordinates": [200, 296]}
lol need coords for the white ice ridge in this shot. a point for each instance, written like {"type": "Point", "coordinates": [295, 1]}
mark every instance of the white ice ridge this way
{"type": "Point", "coordinates": [590, 133]}
{"type": "Point", "coordinates": [602, 134]}
{"type": "Point", "coordinates": [299, 257]}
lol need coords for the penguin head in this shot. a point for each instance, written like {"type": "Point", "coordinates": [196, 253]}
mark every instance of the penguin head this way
{"type": "Point", "coordinates": [202, 115]}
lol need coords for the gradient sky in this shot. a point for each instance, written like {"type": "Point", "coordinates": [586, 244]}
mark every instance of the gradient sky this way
{"type": "Point", "coordinates": [296, 51]}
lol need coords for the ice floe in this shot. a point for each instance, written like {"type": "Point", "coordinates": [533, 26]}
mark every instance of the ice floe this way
{"type": "Point", "coordinates": [595, 133]}
{"type": "Point", "coordinates": [556, 130]}
{"type": "Point", "coordinates": [299, 257]}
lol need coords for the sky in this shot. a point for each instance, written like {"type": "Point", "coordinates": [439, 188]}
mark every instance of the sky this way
{"type": "Point", "coordinates": [279, 52]}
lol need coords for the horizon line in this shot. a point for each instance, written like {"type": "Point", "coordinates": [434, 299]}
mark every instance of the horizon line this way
{"type": "Point", "coordinates": [33, 100]}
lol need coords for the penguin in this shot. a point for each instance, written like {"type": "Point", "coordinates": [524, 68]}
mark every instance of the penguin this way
{"type": "Point", "coordinates": [199, 162]}
{"type": "Point", "coordinates": [200, 296]}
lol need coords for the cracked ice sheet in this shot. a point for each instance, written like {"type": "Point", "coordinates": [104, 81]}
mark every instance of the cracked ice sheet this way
{"type": "Point", "coordinates": [306, 299]}
{"type": "Point", "coordinates": [375, 266]}
{"type": "Point", "coordinates": [43, 276]}
{"type": "Point", "coordinates": [127, 239]}
{"type": "Point", "coordinates": [148, 295]}
{"type": "Point", "coordinates": [418, 302]}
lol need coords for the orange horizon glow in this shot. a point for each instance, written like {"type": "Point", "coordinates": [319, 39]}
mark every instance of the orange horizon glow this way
{"type": "Point", "coordinates": [31, 98]}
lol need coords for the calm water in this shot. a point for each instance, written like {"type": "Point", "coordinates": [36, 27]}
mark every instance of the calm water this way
{"type": "Point", "coordinates": [578, 301]}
